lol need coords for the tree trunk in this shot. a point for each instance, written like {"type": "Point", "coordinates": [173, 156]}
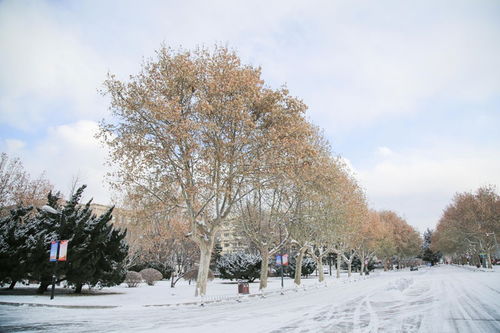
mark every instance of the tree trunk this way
{"type": "Point", "coordinates": [489, 260]}
{"type": "Point", "coordinates": [362, 272]}
{"type": "Point", "coordinates": [339, 261]}
{"type": "Point", "coordinates": [172, 279]}
{"type": "Point", "coordinates": [43, 287]}
{"type": "Point", "coordinates": [298, 267]}
{"type": "Point", "coordinates": [349, 265]}
{"type": "Point", "coordinates": [204, 266]}
{"type": "Point", "coordinates": [385, 265]}
{"type": "Point", "coordinates": [320, 268]}
{"type": "Point", "coordinates": [12, 284]}
{"type": "Point", "coordinates": [78, 288]}
{"type": "Point", "coordinates": [264, 268]}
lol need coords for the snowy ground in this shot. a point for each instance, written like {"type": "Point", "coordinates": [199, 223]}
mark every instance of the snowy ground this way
{"type": "Point", "coordinates": [437, 299]}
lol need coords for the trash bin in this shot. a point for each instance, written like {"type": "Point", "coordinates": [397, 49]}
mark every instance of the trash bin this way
{"type": "Point", "coordinates": [243, 287]}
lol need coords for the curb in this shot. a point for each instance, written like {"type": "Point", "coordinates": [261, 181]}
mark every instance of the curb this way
{"type": "Point", "coordinates": [61, 306]}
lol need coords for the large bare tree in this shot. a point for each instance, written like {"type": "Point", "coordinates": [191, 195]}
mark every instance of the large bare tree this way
{"type": "Point", "coordinates": [188, 130]}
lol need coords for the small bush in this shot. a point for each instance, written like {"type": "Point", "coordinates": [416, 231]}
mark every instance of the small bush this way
{"type": "Point", "coordinates": [151, 275]}
{"type": "Point", "coordinates": [133, 279]}
{"type": "Point", "coordinates": [239, 266]}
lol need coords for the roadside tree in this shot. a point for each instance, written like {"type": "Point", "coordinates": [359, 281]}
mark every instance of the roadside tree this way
{"type": "Point", "coordinates": [187, 129]}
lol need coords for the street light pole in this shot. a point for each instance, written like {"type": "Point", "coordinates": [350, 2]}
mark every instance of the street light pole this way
{"type": "Point", "coordinates": [281, 259]}
{"type": "Point", "coordinates": [50, 210]}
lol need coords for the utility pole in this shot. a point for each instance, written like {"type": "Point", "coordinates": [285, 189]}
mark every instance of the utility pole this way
{"type": "Point", "coordinates": [281, 259]}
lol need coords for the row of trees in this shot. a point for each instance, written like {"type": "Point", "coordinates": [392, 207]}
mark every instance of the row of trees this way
{"type": "Point", "coordinates": [17, 187]}
{"type": "Point", "coordinates": [470, 226]}
{"type": "Point", "coordinates": [96, 250]}
{"type": "Point", "coordinates": [199, 136]}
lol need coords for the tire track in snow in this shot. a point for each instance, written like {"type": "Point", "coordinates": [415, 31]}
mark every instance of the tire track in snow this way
{"type": "Point", "coordinates": [476, 316]}
{"type": "Point", "coordinates": [356, 317]}
{"type": "Point", "coordinates": [373, 323]}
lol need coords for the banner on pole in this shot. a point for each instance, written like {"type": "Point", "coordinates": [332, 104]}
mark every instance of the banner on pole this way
{"type": "Point", "coordinates": [63, 250]}
{"type": "Point", "coordinates": [53, 250]}
{"type": "Point", "coordinates": [285, 260]}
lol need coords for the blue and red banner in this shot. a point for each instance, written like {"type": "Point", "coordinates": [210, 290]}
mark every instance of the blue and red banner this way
{"type": "Point", "coordinates": [58, 250]}
{"type": "Point", "coordinates": [53, 250]}
{"type": "Point", "coordinates": [63, 250]}
{"type": "Point", "coordinates": [285, 260]}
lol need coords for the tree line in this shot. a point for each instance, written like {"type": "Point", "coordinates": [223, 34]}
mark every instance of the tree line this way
{"type": "Point", "coordinates": [469, 227]}
{"type": "Point", "coordinates": [199, 138]}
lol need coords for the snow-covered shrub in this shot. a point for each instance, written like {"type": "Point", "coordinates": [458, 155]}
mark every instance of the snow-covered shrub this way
{"type": "Point", "coordinates": [239, 266]}
{"type": "Point", "coordinates": [133, 279]}
{"type": "Point", "coordinates": [151, 275]}
{"type": "Point", "coordinates": [308, 267]}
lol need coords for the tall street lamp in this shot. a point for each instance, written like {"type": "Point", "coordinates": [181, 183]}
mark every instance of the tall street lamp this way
{"type": "Point", "coordinates": [58, 248]}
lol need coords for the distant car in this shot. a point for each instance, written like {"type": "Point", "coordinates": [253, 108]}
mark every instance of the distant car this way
{"type": "Point", "coordinates": [413, 268]}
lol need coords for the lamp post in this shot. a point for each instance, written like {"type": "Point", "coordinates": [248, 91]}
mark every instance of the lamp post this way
{"type": "Point", "coordinates": [58, 248]}
{"type": "Point", "coordinates": [54, 250]}
{"type": "Point", "coordinates": [330, 257]}
{"type": "Point", "coordinates": [281, 259]}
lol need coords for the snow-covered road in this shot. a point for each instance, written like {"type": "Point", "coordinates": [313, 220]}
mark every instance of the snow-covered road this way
{"type": "Point", "coordinates": [437, 299]}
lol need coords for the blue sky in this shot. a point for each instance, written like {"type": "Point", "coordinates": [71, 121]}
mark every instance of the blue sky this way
{"type": "Point", "coordinates": [407, 92]}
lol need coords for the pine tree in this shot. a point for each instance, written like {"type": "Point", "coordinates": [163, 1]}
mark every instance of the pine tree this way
{"type": "Point", "coordinates": [96, 251]}
{"type": "Point", "coordinates": [239, 266]}
{"type": "Point", "coordinates": [308, 267]}
{"type": "Point", "coordinates": [12, 251]}
{"type": "Point", "coordinates": [427, 254]}
{"type": "Point", "coordinates": [42, 229]}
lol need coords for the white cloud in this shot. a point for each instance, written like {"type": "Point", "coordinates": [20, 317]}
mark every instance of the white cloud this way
{"type": "Point", "coordinates": [13, 146]}
{"type": "Point", "coordinates": [46, 69]}
{"type": "Point", "coordinates": [350, 67]}
{"type": "Point", "coordinates": [68, 151]}
{"type": "Point", "coordinates": [365, 68]}
{"type": "Point", "coordinates": [420, 183]}
{"type": "Point", "coordinates": [384, 151]}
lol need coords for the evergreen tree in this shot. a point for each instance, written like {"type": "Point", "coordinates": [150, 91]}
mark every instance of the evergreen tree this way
{"type": "Point", "coordinates": [216, 255]}
{"type": "Point", "coordinates": [427, 254]}
{"type": "Point", "coordinates": [308, 267]}
{"type": "Point", "coordinates": [356, 264]}
{"type": "Point", "coordinates": [96, 251]}
{"type": "Point", "coordinates": [239, 266]}
{"type": "Point", "coordinates": [12, 251]}
{"type": "Point", "coordinates": [41, 230]}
